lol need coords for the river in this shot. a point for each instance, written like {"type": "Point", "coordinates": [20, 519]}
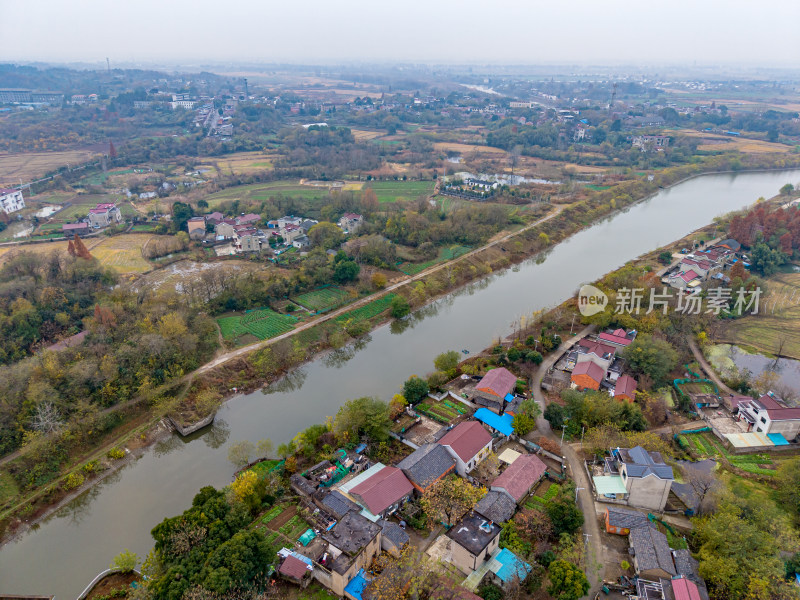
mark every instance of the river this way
{"type": "Point", "coordinates": [63, 554]}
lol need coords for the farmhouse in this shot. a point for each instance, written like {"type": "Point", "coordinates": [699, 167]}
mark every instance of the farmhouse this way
{"type": "Point", "coordinates": [248, 219]}
{"type": "Point", "coordinates": [645, 475]}
{"type": "Point", "coordinates": [519, 477]}
{"type": "Point", "coordinates": [468, 443]}
{"type": "Point", "coordinates": [587, 375]}
{"type": "Point", "coordinates": [625, 388]}
{"type": "Point", "coordinates": [496, 506]}
{"type": "Point", "coordinates": [599, 353]}
{"type": "Point", "coordinates": [652, 556]}
{"type": "Point", "coordinates": [196, 227]}
{"type": "Point", "coordinates": [350, 222]}
{"type": "Point", "coordinates": [622, 521]}
{"type": "Point", "coordinates": [474, 540]}
{"type": "Point", "coordinates": [11, 201]}
{"type": "Point", "coordinates": [617, 337]}
{"type": "Point", "coordinates": [302, 242]}
{"type": "Point", "coordinates": [384, 491]}
{"type": "Point", "coordinates": [494, 389]}
{"type": "Point", "coordinates": [770, 415]}
{"type": "Point", "coordinates": [646, 143]}
{"type": "Point", "coordinates": [352, 544]}
{"type": "Point", "coordinates": [427, 465]}
{"type": "Point", "coordinates": [104, 214]}
{"type": "Point", "coordinates": [79, 228]}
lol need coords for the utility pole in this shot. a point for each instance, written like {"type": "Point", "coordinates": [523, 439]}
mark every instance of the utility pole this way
{"type": "Point", "coordinates": [572, 324]}
{"type": "Point", "coordinates": [563, 430]}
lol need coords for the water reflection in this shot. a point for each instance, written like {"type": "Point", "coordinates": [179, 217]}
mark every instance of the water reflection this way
{"type": "Point", "coordinates": [337, 358]}
{"type": "Point", "coordinates": [168, 445]}
{"type": "Point", "coordinates": [79, 509]}
{"type": "Point", "coordinates": [292, 381]}
{"type": "Point", "coordinates": [217, 434]}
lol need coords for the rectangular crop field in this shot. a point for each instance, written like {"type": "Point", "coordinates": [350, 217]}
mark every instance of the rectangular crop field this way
{"type": "Point", "coordinates": [263, 191]}
{"type": "Point", "coordinates": [262, 323]}
{"type": "Point", "coordinates": [123, 252]}
{"type": "Point", "coordinates": [368, 311]}
{"type": "Point", "coordinates": [322, 299]}
{"type": "Point", "coordinates": [445, 254]}
{"type": "Point", "coordinates": [30, 165]}
{"type": "Point", "coordinates": [392, 191]}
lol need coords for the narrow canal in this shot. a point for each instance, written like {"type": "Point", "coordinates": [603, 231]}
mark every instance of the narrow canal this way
{"type": "Point", "coordinates": [63, 554]}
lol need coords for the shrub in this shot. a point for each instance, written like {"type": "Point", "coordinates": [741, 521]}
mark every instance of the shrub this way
{"type": "Point", "coordinates": [125, 561]}
{"type": "Point", "coordinates": [91, 466]}
{"type": "Point", "coordinates": [400, 307]}
{"type": "Point", "coordinates": [72, 481]}
{"type": "Point", "coordinates": [116, 454]}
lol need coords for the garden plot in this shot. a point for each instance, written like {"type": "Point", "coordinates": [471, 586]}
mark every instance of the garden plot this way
{"type": "Point", "coordinates": [322, 299]}
{"type": "Point", "coordinates": [262, 323]}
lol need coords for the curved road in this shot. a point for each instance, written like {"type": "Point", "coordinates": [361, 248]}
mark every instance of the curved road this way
{"type": "Point", "coordinates": [332, 315]}
{"type": "Point", "coordinates": [710, 372]}
{"type": "Point", "coordinates": [594, 554]}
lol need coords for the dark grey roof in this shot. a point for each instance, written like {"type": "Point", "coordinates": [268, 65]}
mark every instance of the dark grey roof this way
{"type": "Point", "coordinates": [351, 534]}
{"type": "Point", "coordinates": [651, 550]}
{"type": "Point", "coordinates": [641, 463]}
{"type": "Point", "coordinates": [302, 484]}
{"type": "Point", "coordinates": [628, 519]}
{"type": "Point", "coordinates": [339, 504]}
{"type": "Point", "coordinates": [685, 564]}
{"type": "Point", "coordinates": [496, 506]}
{"type": "Point", "coordinates": [426, 464]}
{"type": "Point", "coordinates": [474, 533]}
{"type": "Point", "coordinates": [394, 533]}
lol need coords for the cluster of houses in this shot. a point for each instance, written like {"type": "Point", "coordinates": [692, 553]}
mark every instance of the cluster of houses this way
{"type": "Point", "coordinates": [703, 265]}
{"type": "Point", "coordinates": [593, 364]}
{"type": "Point", "coordinates": [102, 215]}
{"type": "Point", "coordinates": [358, 505]}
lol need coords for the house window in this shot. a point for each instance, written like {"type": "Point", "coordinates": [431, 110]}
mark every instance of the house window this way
{"type": "Point", "coordinates": [763, 420]}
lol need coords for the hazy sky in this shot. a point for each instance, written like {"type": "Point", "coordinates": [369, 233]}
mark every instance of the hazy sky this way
{"type": "Point", "coordinates": [522, 31]}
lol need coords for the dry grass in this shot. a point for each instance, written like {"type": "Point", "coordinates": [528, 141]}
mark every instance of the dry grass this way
{"type": "Point", "coordinates": [362, 135]}
{"type": "Point", "coordinates": [241, 163]}
{"type": "Point", "coordinates": [715, 142]}
{"type": "Point", "coordinates": [778, 320]}
{"type": "Point", "coordinates": [123, 253]}
{"type": "Point", "coordinates": [30, 165]}
{"type": "Point", "coordinates": [468, 148]}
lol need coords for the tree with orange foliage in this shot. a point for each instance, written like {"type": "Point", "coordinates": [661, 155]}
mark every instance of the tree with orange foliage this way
{"type": "Point", "coordinates": [80, 249]}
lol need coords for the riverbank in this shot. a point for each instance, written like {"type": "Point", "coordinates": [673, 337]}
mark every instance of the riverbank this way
{"type": "Point", "coordinates": [445, 279]}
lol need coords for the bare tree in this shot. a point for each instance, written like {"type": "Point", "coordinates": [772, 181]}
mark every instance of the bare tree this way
{"type": "Point", "coordinates": [46, 418]}
{"type": "Point", "coordinates": [704, 484]}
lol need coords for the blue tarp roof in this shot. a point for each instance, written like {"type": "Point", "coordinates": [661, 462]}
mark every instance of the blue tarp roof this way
{"type": "Point", "coordinates": [503, 424]}
{"type": "Point", "coordinates": [357, 584]}
{"type": "Point", "coordinates": [777, 439]}
{"type": "Point", "coordinates": [509, 398]}
{"type": "Point", "coordinates": [512, 566]}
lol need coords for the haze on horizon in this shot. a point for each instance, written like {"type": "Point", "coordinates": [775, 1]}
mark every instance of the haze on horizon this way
{"type": "Point", "coordinates": [464, 31]}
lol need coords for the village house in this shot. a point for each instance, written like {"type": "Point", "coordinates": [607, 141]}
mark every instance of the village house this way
{"type": "Point", "coordinates": [506, 567]}
{"type": "Point", "coordinates": [352, 544]}
{"type": "Point", "coordinates": [587, 375]}
{"type": "Point", "coordinates": [393, 537]}
{"type": "Point", "coordinates": [350, 222]}
{"type": "Point", "coordinates": [474, 539]}
{"type": "Point", "coordinates": [622, 521]}
{"type": "Point", "coordinates": [73, 228]}
{"type": "Point", "coordinates": [307, 224]}
{"type": "Point", "coordinates": [617, 337]}
{"type": "Point", "coordinates": [770, 415]}
{"type": "Point", "coordinates": [214, 217]}
{"type": "Point", "coordinates": [295, 570]}
{"type": "Point", "coordinates": [496, 506]}
{"type": "Point", "coordinates": [468, 443]}
{"type": "Point", "coordinates": [685, 279]}
{"type": "Point", "coordinates": [104, 214]}
{"type": "Point", "coordinates": [427, 465]}
{"type": "Point", "coordinates": [625, 388]}
{"type": "Point", "coordinates": [652, 556]}
{"type": "Point", "coordinates": [248, 219]}
{"type": "Point", "coordinates": [224, 229]}
{"type": "Point", "coordinates": [598, 352]}
{"type": "Point", "coordinates": [290, 233]}
{"type": "Point", "coordinates": [11, 201]}
{"type": "Point", "coordinates": [645, 475]}
{"type": "Point", "coordinates": [302, 242]}
{"type": "Point", "coordinates": [196, 227]}
{"type": "Point", "coordinates": [382, 490]}
{"type": "Point", "coordinates": [494, 389]}
{"type": "Point", "coordinates": [647, 143]}
{"type": "Point", "coordinates": [519, 477]}
{"type": "Point", "coordinates": [502, 425]}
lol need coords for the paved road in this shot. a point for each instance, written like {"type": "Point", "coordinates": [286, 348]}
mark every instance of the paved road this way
{"type": "Point", "coordinates": [332, 315]}
{"type": "Point", "coordinates": [595, 549]}
{"type": "Point", "coordinates": [710, 372]}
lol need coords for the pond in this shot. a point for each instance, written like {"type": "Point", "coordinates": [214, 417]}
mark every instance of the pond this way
{"type": "Point", "coordinates": [724, 356]}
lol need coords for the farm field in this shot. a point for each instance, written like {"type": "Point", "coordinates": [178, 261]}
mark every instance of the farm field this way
{"type": "Point", "coordinates": [363, 135]}
{"type": "Point", "coordinates": [261, 323]}
{"type": "Point", "coordinates": [469, 148]}
{"type": "Point", "coordinates": [708, 446]}
{"type": "Point", "coordinates": [241, 163]}
{"type": "Point", "coordinates": [780, 325]}
{"type": "Point", "coordinates": [31, 165]}
{"type": "Point", "coordinates": [322, 299]}
{"type": "Point", "coordinates": [80, 205]}
{"type": "Point", "coordinates": [445, 254]}
{"type": "Point", "coordinates": [443, 412]}
{"type": "Point", "coordinates": [123, 252]}
{"type": "Point", "coordinates": [392, 191]}
{"type": "Point", "coordinates": [726, 143]}
{"type": "Point", "coordinates": [262, 191]}
{"type": "Point", "coordinates": [368, 311]}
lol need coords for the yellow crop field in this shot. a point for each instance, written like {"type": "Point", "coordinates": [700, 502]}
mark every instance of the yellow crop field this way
{"type": "Point", "coordinates": [123, 253]}
{"type": "Point", "coordinates": [352, 186]}
{"type": "Point", "coordinates": [715, 142]}
{"type": "Point", "coordinates": [241, 162]}
{"type": "Point", "coordinates": [468, 148]}
{"type": "Point", "coordinates": [362, 135]}
{"type": "Point", "coordinates": [27, 166]}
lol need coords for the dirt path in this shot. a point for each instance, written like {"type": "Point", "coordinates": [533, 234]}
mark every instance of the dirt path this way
{"type": "Point", "coordinates": [405, 281]}
{"type": "Point", "coordinates": [710, 372]}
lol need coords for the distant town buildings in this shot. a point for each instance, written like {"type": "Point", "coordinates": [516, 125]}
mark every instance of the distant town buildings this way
{"type": "Point", "coordinates": [11, 201]}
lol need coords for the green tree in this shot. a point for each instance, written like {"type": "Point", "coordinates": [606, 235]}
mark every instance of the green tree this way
{"type": "Point", "coordinates": [534, 357]}
{"type": "Point", "coordinates": [415, 389]}
{"type": "Point", "coordinates": [765, 260]}
{"type": "Point", "coordinates": [567, 581]}
{"type": "Point", "coordinates": [181, 213]}
{"type": "Point", "coordinates": [564, 512]}
{"type": "Point", "coordinates": [239, 561]}
{"type": "Point", "coordinates": [665, 258]}
{"type": "Point", "coordinates": [125, 561]}
{"type": "Point", "coordinates": [325, 235]}
{"type": "Point", "coordinates": [651, 356]}
{"type": "Point", "coordinates": [449, 499]}
{"type": "Point", "coordinates": [346, 271]}
{"type": "Point", "coordinates": [447, 361]}
{"type": "Point", "coordinates": [363, 416]}
{"type": "Point", "coordinates": [400, 307]}
{"type": "Point", "coordinates": [555, 415]}
{"type": "Point", "coordinates": [525, 418]}
{"type": "Point", "coordinates": [786, 189]}
{"type": "Point", "coordinates": [788, 478]}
